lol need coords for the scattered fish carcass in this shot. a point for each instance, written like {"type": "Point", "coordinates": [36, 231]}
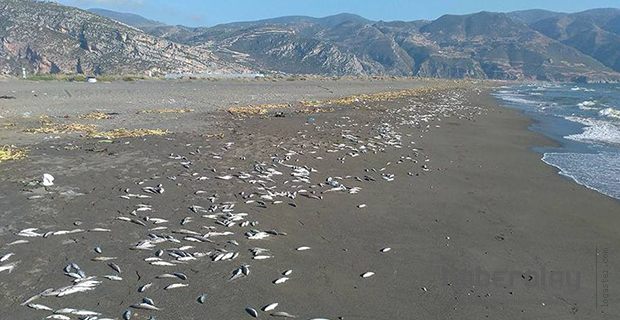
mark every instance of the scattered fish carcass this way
{"type": "Point", "coordinates": [264, 184]}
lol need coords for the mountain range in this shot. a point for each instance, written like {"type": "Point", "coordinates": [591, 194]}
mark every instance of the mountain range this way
{"type": "Point", "coordinates": [47, 37]}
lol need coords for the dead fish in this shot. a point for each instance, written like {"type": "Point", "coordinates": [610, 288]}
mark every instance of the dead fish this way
{"type": "Point", "coordinates": [30, 233]}
{"type": "Point", "coordinates": [270, 307]}
{"type": "Point", "coordinates": [180, 275]}
{"type": "Point", "coordinates": [138, 222]}
{"type": "Point", "coordinates": [39, 307]}
{"type": "Point", "coordinates": [252, 312]}
{"type": "Point", "coordinates": [303, 248]}
{"type": "Point", "coordinates": [163, 263]}
{"type": "Point", "coordinates": [362, 206]}
{"type": "Point", "coordinates": [99, 230]}
{"type": "Point", "coordinates": [148, 300]}
{"type": "Point", "coordinates": [287, 272]}
{"type": "Point", "coordinates": [98, 250]}
{"type": "Point", "coordinates": [115, 267]}
{"type": "Point", "coordinates": [281, 280]}
{"type": "Point", "coordinates": [37, 296]}
{"type": "Point", "coordinates": [58, 317]}
{"type": "Point", "coordinates": [262, 257]}
{"type": "Point", "coordinates": [145, 306]}
{"type": "Point", "coordinates": [367, 274]}
{"type": "Point", "coordinates": [202, 298]}
{"type": "Point", "coordinates": [175, 286]}
{"type": "Point", "coordinates": [17, 242]}
{"type": "Point", "coordinates": [156, 220]}
{"type": "Point", "coordinates": [236, 274]}
{"type": "Point", "coordinates": [245, 269]}
{"type": "Point", "coordinates": [226, 177]}
{"type": "Point", "coordinates": [385, 249]}
{"type": "Point", "coordinates": [127, 315]}
{"type": "Point", "coordinates": [283, 314]}
{"type": "Point", "coordinates": [144, 287]}
{"type": "Point", "coordinates": [103, 258]}
{"type": "Point", "coordinates": [6, 257]}
{"type": "Point", "coordinates": [113, 278]}
{"type": "Point", "coordinates": [63, 232]}
{"type": "Point", "coordinates": [159, 189]}
{"type": "Point", "coordinates": [74, 275]}
{"type": "Point", "coordinates": [87, 313]}
{"type": "Point", "coordinates": [8, 267]}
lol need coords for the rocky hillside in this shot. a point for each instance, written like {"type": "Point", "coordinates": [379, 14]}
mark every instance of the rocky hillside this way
{"type": "Point", "coordinates": [481, 45]}
{"type": "Point", "coordinates": [45, 37]}
{"type": "Point", "coordinates": [533, 44]}
{"type": "Point", "coordinates": [595, 33]}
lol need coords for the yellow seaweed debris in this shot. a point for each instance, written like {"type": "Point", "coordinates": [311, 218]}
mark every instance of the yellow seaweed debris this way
{"type": "Point", "coordinates": [50, 127]}
{"type": "Point", "coordinates": [128, 133]}
{"type": "Point", "coordinates": [256, 109]}
{"type": "Point", "coordinates": [11, 153]}
{"type": "Point", "coordinates": [166, 110]}
{"type": "Point", "coordinates": [96, 115]}
{"type": "Point", "coordinates": [368, 97]}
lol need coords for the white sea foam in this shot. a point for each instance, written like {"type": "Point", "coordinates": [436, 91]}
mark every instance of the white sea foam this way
{"type": "Point", "coordinates": [610, 113]}
{"type": "Point", "coordinates": [597, 131]}
{"type": "Point", "coordinates": [516, 98]}
{"type": "Point", "coordinates": [582, 89]}
{"type": "Point", "coordinates": [599, 171]}
{"type": "Point", "coordinates": [587, 105]}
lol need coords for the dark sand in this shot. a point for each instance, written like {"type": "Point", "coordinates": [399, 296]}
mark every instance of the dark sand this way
{"type": "Point", "coordinates": [472, 198]}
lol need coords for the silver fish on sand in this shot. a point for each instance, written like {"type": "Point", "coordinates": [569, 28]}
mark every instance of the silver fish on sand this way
{"type": "Point", "coordinates": [115, 267]}
{"type": "Point", "coordinates": [39, 307]}
{"type": "Point", "coordinates": [283, 314]}
{"type": "Point", "coordinates": [252, 312]}
{"type": "Point", "coordinates": [145, 287]}
{"type": "Point", "coordinates": [127, 315]}
{"type": "Point", "coordinates": [280, 280]}
{"type": "Point", "coordinates": [175, 286]}
{"type": "Point", "coordinates": [145, 306]}
{"type": "Point", "coordinates": [8, 267]}
{"type": "Point", "coordinates": [6, 257]}
{"type": "Point", "coordinates": [202, 298]}
{"type": "Point", "coordinates": [270, 307]}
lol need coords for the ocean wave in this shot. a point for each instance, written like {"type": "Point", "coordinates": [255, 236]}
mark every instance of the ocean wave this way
{"type": "Point", "coordinates": [587, 105]}
{"type": "Point", "coordinates": [610, 113]}
{"type": "Point", "coordinates": [598, 131]}
{"type": "Point", "coordinates": [516, 98]}
{"type": "Point", "coordinates": [599, 171]}
{"type": "Point", "coordinates": [582, 89]}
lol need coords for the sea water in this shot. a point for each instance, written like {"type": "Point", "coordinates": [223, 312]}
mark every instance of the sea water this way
{"type": "Point", "coordinates": [584, 119]}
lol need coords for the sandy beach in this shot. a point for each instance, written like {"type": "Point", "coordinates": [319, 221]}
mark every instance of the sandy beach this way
{"type": "Point", "coordinates": [426, 204]}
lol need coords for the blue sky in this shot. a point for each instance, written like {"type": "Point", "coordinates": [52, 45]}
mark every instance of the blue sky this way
{"type": "Point", "coordinates": [211, 12]}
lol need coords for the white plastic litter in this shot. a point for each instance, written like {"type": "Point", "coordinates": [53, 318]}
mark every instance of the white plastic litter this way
{"type": "Point", "coordinates": [48, 180]}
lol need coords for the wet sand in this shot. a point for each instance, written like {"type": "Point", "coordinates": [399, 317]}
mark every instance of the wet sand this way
{"type": "Point", "coordinates": [468, 199]}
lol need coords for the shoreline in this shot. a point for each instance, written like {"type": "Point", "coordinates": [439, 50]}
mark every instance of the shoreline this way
{"type": "Point", "coordinates": [564, 152]}
{"type": "Point", "coordinates": [448, 179]}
